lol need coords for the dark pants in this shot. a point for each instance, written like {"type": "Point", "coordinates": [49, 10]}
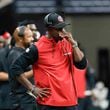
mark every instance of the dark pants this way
{"type": "Point", "coordinates": [5, 101]}
{"type": "Point", "coordinates": [23, 102]}
{"type": "Point", "coordinates": [85, 104]}
{"type": "Point", "coordinates": [46, 107]}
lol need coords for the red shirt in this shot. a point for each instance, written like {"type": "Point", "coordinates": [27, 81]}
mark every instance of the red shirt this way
{"type": "Point", "coordinates": [53, 71]}
{"type": "Point", "coordinates": [80, 81]}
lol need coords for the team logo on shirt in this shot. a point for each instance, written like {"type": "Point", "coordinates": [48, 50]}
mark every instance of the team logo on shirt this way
{"type": "Point", "coordinates": [27, 50]}
{"type": "Point", "coordinates": [67, 53]}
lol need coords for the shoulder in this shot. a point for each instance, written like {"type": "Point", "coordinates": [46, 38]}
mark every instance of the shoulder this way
{"type": "Point", "coordinates": [33, 47]}
{"type": "Point", "coordinates": [14, 53]}
{"type": "Point", "coordinates": [32, 51]}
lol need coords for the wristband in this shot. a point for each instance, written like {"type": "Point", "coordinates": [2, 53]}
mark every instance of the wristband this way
{"type": "Point", "coordinates": [75, 45]}
{"type": "Point", "coordinates": [33, 88]}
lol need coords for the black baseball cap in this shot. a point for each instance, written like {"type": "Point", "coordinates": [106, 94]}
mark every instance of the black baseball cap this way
{"type": "Point", "coordinates": [55, 20]}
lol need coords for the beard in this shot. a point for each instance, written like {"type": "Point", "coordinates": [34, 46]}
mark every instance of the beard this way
{"type": "Point", "coordinates": [26, 45]}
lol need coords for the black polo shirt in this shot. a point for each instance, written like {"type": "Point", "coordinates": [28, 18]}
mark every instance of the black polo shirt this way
{"type": "Point", "coordinates": [20, 98]}
{"type": "Point", "coordinates": [16, 87]}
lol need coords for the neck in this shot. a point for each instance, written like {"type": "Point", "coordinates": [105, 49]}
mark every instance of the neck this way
{"type": "Point", "coordinates": [56, 39]}
{"type": "Point", "coordinates": [48, 35]}
{"type": "Point", "coordinates": [18, 44]}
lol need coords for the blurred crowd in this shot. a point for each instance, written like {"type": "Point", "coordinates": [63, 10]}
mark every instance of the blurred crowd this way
{"type": "Point", "coordinates": [5, 39]}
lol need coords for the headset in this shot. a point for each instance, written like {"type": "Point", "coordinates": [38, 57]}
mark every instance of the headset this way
{"type": "Point", "coordinates": [21, 30]}
{"type": "Point", "coordinates": [46, 20]}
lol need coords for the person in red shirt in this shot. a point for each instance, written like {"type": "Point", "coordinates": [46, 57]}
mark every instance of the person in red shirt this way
{"type": "Point", "coordinates": [52, 58]}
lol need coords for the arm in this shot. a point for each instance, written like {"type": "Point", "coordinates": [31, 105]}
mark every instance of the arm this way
{"type": "Point", "coordinates": [79, 59]}
{"type": "Point", "coordinates": [18, 67]}
{"type": "Point", "coordinates": [29, 74]}
{"type": "Point", "coordinates": [24, 81]}
{"type": "Point", "coordinates": [78, 56]}
{"type": "Point", "coordinates": [77, 53]}
{"type": "Point", "coordinates": [41, 92]}
{"type": "Point", "coordinates": [3, 76]}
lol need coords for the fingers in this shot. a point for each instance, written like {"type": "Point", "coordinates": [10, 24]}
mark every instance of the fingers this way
{"type": "Point", "coordinates": [64, 31]}
{"type": "Point", "coordinates": [43, 92]}
{"type": "Point", "coordinates": [65, 34]}
{"type": "Point", "coordinates": [61, 34]}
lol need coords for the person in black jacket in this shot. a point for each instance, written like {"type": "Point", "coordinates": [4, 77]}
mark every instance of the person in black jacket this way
{"type": "Point", "coordinates": [21, 100]}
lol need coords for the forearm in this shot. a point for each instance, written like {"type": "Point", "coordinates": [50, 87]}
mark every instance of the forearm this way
{"type": "Point", "coordinates": [29, 74]}
{"type": "Point", "coordinates": [77, 53]}
{"type": "Point", "coordinates": [41, 92]}
{"type": "Point", "coordinates": [3, 76]}
{"type": "Point", "coordinates": [25, 82]}
{"type": "Point", "coordinates": [78, 57]}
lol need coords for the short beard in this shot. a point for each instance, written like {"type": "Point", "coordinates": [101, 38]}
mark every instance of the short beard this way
{"type": "Point", "coordinates": [26, 45]}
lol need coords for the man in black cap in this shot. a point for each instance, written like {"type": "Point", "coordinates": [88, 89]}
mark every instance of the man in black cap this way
{"type": "Point", "coordinates": [52, 58]}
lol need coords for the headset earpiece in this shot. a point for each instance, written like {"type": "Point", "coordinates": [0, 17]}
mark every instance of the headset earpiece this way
{"type": "Point", "coordinates": [46, 19]}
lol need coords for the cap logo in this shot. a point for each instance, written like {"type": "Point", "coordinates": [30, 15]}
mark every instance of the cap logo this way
{"type": "Point", "coordinates": [60, 19]}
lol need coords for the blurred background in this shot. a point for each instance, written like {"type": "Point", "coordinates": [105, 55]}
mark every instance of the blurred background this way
{"type": "Point", "coordinates": [89, 19]}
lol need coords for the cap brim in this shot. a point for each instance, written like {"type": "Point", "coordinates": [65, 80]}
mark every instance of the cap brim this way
{"type": "Point", "coordinates": [61, 25]}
